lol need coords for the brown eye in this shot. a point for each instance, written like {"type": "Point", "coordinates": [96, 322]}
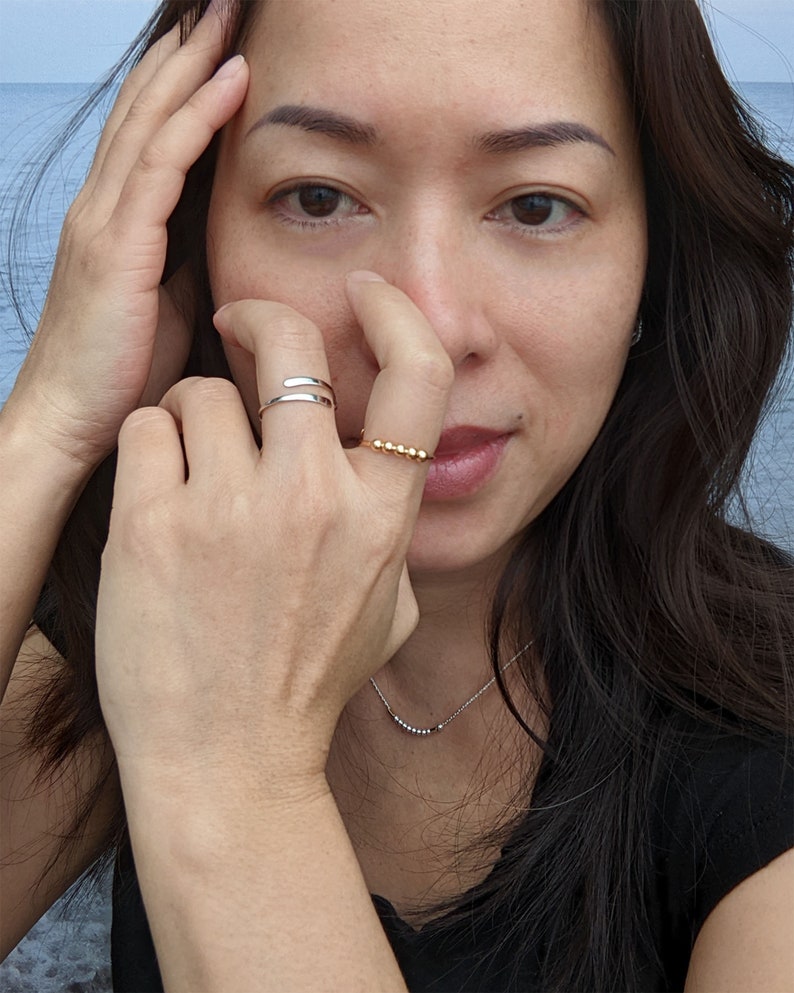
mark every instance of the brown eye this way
{"type": "Point", "coordinates": [318, 201]}
{"type": "Point", "coordinates": [314, 206]}
{"type": "Point", "coordinates": [539, 214]}
{"type": "Point", "coordinates": [533, 209]}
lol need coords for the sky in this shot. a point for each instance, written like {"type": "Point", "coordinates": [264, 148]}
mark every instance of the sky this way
{"type": "Point", "coordinates": [76, 41]}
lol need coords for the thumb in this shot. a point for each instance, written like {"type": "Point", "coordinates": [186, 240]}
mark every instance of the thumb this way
{"type": "Point", "coordinates": [406, 614]}
{"type": "Point", "coordinates": [173, 337]}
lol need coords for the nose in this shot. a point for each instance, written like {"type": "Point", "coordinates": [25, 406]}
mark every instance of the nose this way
{"type": "Point", "coordinates": [432, 261]}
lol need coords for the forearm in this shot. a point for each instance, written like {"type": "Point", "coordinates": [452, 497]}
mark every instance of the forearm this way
{"type": "Point", "coordinates": [267, 901]}
{"type": "Point", "coordinates": [37, 495]}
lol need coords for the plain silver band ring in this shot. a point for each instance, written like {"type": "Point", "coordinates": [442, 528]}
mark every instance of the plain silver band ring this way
{"type": "Point", "coordinates": [300, 397]}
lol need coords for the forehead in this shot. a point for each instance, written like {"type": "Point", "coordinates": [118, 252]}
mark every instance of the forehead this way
{"type": "Point", "coordinates": [412, 59]}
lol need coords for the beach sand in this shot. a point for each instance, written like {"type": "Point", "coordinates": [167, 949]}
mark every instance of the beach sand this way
{"type": "Point", "coordinates": [68, 951]}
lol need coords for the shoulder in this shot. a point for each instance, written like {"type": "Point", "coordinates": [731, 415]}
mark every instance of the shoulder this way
{"type": "Point", "coordinates": [723, 808]}
{"type": "Point", "coordinates": [722, 822]}
{"type": "Point", "coordinates": [745, 943]}
{"type": "Point", "coordinates": [725, 790]}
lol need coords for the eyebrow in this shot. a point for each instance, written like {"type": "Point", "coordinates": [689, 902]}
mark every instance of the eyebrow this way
{"type": "Point", "coordinates": [540, 136]}
{"type": "Point", "coordinates": [329, 122]}
{"type": "Point", "coordinates": [320, 121]}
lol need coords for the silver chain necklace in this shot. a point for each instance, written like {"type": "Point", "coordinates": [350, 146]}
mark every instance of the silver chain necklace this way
{"type": "Point", "coordinates": [410, 729]}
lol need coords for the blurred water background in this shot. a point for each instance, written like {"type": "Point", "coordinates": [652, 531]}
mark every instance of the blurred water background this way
{"type": "Point", "coordinates": [68, 948]}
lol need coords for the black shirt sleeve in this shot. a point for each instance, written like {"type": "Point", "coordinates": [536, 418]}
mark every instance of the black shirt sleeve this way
{"type": "Point", "coordinates": [726, 811]}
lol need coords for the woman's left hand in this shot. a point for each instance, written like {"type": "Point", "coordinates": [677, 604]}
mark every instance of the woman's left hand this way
{"type": "Point", "coordinates": [245, 596]}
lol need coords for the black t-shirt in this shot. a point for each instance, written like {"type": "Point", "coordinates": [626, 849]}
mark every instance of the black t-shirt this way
{"type": "Point", "coordinates": [725, 811]}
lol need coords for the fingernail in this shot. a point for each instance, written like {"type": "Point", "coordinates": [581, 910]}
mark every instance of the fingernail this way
{"type": "Point", "coordinates": [231, 67]}
{"type": "Point", "coordinates": [364, 276]}
{"type": "Point", "coordinates": [220, 320]}
{"type": "Point", "coordinates": [223, 327]}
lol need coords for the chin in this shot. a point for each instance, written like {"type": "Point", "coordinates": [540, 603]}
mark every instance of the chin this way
{"type": "Point", "coordinates": [445, 547]}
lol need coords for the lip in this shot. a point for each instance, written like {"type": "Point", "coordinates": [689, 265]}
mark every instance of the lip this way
{"type": "Point", "coordinates": [466, 458]}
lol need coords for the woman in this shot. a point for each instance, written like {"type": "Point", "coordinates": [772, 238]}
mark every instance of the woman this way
{"type": "Point", "coordinates": [537, 247]}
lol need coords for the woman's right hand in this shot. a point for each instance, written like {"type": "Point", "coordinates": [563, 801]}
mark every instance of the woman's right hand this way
{"type": "Point", "coordinates": [111, 336]}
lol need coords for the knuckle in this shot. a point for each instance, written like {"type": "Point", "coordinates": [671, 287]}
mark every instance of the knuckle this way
{"type": "Point", "coordinates": [145, 526]}
{"type": "Point", "coordinates": [314, 507]}
{"type": "Point", "coordinates": [73, 220]}
{"type": "Point", "coordinates": [434, 370]}
{"type": "Point", "coordinates": [153, 157]}
{"type": "Point", "coordinates": [178, 389]}
{"type": "Point", "coordinates": [312, 518]}
{"type": "Point", "coordinates": [280, 323]}
{"type": "Point", "coordinates": [132, 85]}
{"type": "Point", "coordinates": [141, 109]}
{"type": "Point", "coordinates": [212, 390]}
{"type": "Point", "coordinates": [195, 118]}
{"type": "Point", "coordinates": [386, 545]}
{"type": "Point", "coordinates": [292, 330]}
{"type": "Point", "coordinates": [97, 253]}
{"type": "Point", "coordinates": [409, 620]}
{"type": "Point", "coordinates": [78, 226]}
{"type": "Point", "coordinates": [128, 88]}
{"type": "Point", "coordinates": [144, 421]}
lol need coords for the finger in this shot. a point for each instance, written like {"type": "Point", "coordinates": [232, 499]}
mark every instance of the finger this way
{"type": "Point", "coordinates": [150, 458]}
{"type": "Point", "coordinates": [406, 615]}
{"type": "Point", "coordinates": [173, 336]}
{"type": "Point", "coordinates": [163, 81]}
{"type": "Point", "coordinates": [410, 393]}
{"type": "Point", "coordinates": [285, 344]}
{"type": "Point", "coordinates": [215, 430]}
{"type": "Point", "coordinates": [138, 78]}
{"type": "Point", "coordinates": [155, 184]}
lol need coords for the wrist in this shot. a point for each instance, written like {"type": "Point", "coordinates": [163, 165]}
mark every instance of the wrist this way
{"type": "Point", "coordinates": [43, 457]}
{"type": "Point", "coordinates": [281, 765]}
{"type": "Point", "coordinates": [269, 897]}
{"type": "Point", "coordinates": [196, 831]}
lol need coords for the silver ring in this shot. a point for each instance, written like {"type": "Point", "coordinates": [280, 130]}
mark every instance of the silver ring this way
{"type": "Point", "coordinates": [309, 381]}
{"type": "Point", "coordinates": [292, 381]}
{"type": "Point", "coordinates": [300, 397]}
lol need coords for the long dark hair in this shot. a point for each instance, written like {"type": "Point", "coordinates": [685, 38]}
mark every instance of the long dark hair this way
{"type": "Point", "coordinates": [646, 606]}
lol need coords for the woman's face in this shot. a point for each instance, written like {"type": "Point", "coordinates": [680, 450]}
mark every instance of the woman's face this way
{"type": "Point", "coordinates": [481, 157]}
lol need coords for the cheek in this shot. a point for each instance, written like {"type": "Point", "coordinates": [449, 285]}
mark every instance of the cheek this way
{"type": "Point", "coordinates": [240, 269]}
{"type": "Point", "coordinates": [582, 381]}
{"type": "Point", "coordinates": [572, 330]}
{"type": "Point", "coordinates": [573, 342]}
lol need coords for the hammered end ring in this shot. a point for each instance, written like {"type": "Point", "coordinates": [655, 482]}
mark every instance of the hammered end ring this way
{"type": "Point", "coordinates": [292, 381]}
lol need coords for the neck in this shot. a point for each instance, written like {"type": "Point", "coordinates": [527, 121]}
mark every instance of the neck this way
{"type": "Point", "coordinates": [445, 661]}
{"type": "Point", "coordinates": [403, 795]}
{"type": "Point", "coordinates": [449, 643]}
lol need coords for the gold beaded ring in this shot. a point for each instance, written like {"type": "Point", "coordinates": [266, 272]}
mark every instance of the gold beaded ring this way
{"type": "Point", "coordinates": [390, 448]}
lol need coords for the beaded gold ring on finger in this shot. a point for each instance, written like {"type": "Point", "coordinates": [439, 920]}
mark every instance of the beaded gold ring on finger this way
{"type": "Point", "coordinates": [292, 381]}
{"type": "Point", "coordinates": [393, 448]}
